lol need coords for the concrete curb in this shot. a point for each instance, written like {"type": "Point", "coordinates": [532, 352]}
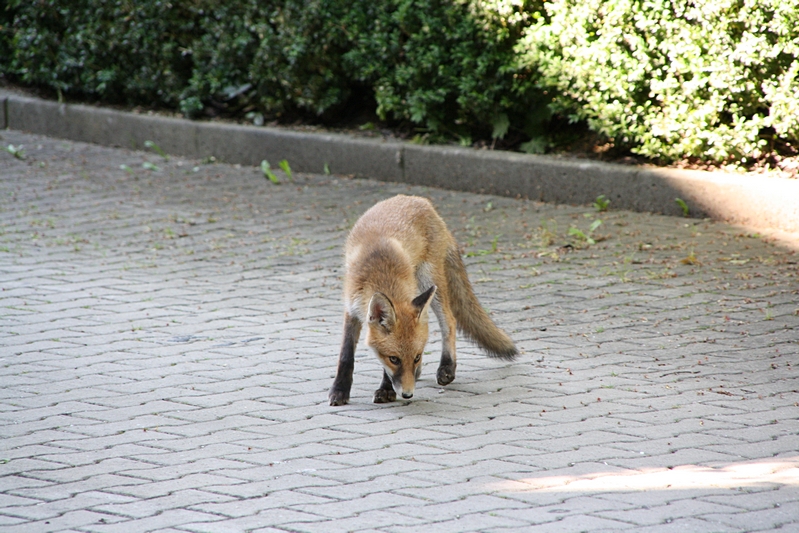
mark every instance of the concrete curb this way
{"type": "Point", "coordinates": [764, 203]}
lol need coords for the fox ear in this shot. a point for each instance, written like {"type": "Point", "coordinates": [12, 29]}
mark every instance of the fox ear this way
{"type": "Point", "coordinates": [381, 311]}
{"type": "Point", "coordinates": [423, 301]}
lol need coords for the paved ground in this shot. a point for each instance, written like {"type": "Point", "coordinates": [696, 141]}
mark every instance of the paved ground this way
{"type": "Point", "coordinates": [168, 336]}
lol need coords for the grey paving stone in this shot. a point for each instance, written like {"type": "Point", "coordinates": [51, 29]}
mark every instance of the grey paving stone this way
{"type": "Point", "coordinates": [167, 340]}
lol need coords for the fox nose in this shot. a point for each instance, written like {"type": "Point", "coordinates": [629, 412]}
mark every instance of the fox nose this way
{"type": "Point", "coordinates": [407, 395]}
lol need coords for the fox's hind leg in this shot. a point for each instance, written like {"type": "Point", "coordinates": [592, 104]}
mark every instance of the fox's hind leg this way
{"type": "Point", "coordinates": [340, 391]}
{"type": "Point", "coordinates": [446, 321]}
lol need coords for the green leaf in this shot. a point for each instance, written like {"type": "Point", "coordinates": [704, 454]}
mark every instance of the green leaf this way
{"type": "Point", "coordinates": [500, 123]}
{"type": "Point", "coordinates": [266, 168]}
{"type": "Point", "coordinates": [157, 149]}
{"type": "Point", "coordinates": [683, 206]}
{"type": "Point", "coordinates": [601, 203]}
{"type": "Point", "coordinates": [16, 151]}
{"type": "Point", "coordinates": [537, 145]}
{"type": "Point", "coordinates": [577, 232]}
{"type": "Point", "coordinates": [284, 166]}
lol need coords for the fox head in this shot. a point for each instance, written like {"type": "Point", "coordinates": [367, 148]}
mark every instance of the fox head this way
{"type": "Point", "coordinates": [397, 332]}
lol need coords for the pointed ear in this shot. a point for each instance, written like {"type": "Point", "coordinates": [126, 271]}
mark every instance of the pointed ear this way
{"type": "Point", "coordinates": [423, 301]}
{"type": "Point", "coordinates": [381, 311]}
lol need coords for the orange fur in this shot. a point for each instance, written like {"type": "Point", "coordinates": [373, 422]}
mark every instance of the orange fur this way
{"type": "Point", "coordinates": [401, 260]}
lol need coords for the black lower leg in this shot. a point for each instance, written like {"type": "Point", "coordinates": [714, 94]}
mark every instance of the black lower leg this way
{"type": "Point", "coordinates": [340, 391]}
{"type": "Point", "coordinates": [446, 369]}
{"type": "Point", "coordinates": [386, 392]}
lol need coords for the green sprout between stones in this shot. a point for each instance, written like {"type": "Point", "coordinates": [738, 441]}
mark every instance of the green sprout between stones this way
{"type": "Point", "coordinates": [601, 203]}
{"type": "Point", "coordinates": [157, 149]}
{"type": "Point", "coordinates": [586, 237]}
{"type": "Point", "coordinates": [683, 206]}
{"type": "Point", "coordinates": [284, 166]}
{"type": "Point", "coordinates": [16, 151]}
{"type": "Point", "coordinates": [266, 168]}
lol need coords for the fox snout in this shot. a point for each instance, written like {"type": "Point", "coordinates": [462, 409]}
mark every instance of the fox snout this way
{"type": "Point", "coordinates": [404, 383]}
{"type": "Point", "coordinates": [406, 393]}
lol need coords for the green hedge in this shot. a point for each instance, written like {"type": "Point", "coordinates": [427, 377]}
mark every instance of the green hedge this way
{"type": "Point", "coordinates": [444, 66]}
{"type": "Point", "coordinates": [712, 79]}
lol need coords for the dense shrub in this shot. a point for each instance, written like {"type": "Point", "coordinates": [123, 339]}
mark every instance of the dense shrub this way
{"type": "Point", "coordinates": [273, 57]}
{"type": "Point", "coordinates": [715, 79]}
{"type": "Point", "coordinates": [446, 66]}
{"type": "Point", "coordinates": [114, 50]}
{"type": "Point", "coordinates": [712, 79]}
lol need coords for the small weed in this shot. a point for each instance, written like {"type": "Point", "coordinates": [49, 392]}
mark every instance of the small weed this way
{"type": "Point", "coordinates": [127, 169]}
{"type": "Point", "coordinates": [326, 169]}
{"type": "Point", "coordinates": [284, 166]}
{"type": "Point", "coordinates": [585, 237]}
{"type": "Point", "coordinates": [210, 160]}
{"type": "Point", "coordinates": [683, 206]}
{"type": "Point", "coordinates": [601, 203]}
{"type": "Point", "coordinates": [157, 149]}
{"type": "Point", "coordinates": [149, 166]}
{"type": "Point", "coordinates": [16, 151]}
{"type": "Point", "coordinates": [266, 168]}
{"type": "Point", "coordinates": [548, 233]}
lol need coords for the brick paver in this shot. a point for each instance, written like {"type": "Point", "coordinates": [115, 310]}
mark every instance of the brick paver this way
{"type": "Point", "coordinates": [168, 337]}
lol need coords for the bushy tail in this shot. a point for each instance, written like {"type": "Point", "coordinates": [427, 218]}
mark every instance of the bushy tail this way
{"type": "Point", "coordinates": [473, 321]}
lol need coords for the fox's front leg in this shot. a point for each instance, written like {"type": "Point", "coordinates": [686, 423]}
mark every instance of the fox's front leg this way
{"type": "Point", "coordinates": [386, 393]}
{"type": "Point", "coordinates": [340, 391]}
{"type": "Point", "coordinates": [447, 324]}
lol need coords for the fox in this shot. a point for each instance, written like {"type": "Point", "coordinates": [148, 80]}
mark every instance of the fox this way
{"type": "Point", "coordinates": [401, 261]}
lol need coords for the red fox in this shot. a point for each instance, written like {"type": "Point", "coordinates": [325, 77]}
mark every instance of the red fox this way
{"type": "Point", "coordinates": [401, 260]}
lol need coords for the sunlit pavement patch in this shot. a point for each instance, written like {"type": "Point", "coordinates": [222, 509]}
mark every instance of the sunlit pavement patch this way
{"type": "Point", "coordinates": [686, 477]}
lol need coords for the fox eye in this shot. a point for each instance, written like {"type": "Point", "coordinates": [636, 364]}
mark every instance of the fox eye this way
{"type": "Point", "coordinates": [394, 360]}
{"type": "Point", "coordinates": [418, 358]}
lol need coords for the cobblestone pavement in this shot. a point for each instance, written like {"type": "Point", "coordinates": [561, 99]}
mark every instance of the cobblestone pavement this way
{"type": "Point", "coordinates": [168, 336]}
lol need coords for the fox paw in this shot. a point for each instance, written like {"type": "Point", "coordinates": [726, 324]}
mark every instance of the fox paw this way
{"type": "Point", "coordinates": [384, 396]}
{"type": "Point", "coordinates": [338, 397]}
{"type": "Point", "coordinates": [445, 374]}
